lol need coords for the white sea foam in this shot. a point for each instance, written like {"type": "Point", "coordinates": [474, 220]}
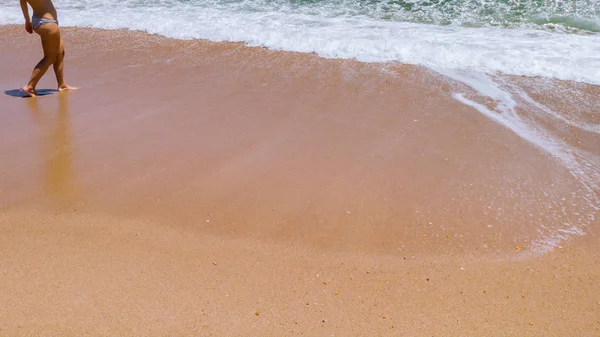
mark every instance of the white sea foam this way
{"type": "Point", "coordinates": [556, 225]}
{"type": "Point", "coordinates": [518, 51]}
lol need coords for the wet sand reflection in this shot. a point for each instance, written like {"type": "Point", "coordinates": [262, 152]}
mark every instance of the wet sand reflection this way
{"type": "Point", "coordinates": [56, 150]}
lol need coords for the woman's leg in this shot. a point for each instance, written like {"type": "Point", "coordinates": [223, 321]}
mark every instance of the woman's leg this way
{"type": "Point", "coordinates": [50, 36]}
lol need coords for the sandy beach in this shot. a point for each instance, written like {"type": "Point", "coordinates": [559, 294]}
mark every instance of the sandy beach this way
{"type": "Point", "coordinates": [200, 188]}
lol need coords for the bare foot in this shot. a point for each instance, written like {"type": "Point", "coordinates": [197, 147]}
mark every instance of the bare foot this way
{"type": "Point", "coordinates": [30, 92]}
{"type": "Point", "coordinates": [66, 88]}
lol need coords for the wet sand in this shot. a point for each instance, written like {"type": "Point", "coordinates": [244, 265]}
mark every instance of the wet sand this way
{"type": "Point", "coordinates": [195, 188]}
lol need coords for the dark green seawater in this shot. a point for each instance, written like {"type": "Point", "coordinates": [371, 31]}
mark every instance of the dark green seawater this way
{"type": "Point", "coordinates": [577, 16]}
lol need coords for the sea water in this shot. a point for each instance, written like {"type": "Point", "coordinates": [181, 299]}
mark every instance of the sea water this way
{"type": "Point", "coordinates": [556, 39]}
{"type": "Point", "coordinates": [478, 44]}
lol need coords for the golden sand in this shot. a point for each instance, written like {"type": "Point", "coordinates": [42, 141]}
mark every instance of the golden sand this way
{"type": "Point", "coordinates": [194, 188]}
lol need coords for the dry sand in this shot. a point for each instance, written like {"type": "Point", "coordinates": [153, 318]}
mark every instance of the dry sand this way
{"type": "Point", "coordinates": [194, 188]}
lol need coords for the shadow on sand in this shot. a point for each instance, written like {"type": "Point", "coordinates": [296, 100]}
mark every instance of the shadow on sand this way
{"type": "Point", "coordinates": [20, 93]}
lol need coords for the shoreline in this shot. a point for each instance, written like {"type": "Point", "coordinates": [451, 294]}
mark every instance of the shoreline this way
{"type": "Point", "coordinates": [287, 170]}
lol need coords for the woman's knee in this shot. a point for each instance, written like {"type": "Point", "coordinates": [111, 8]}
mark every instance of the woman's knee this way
{"type": "Point", "coordinates": [48, 59]}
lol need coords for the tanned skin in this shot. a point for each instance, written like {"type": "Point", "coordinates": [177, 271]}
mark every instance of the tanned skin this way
{"type": "Point", "coordinates": [54, 51]}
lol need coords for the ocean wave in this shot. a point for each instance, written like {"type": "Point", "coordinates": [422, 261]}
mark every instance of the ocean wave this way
{"type": "Point", "coordinates": [370, 31]}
